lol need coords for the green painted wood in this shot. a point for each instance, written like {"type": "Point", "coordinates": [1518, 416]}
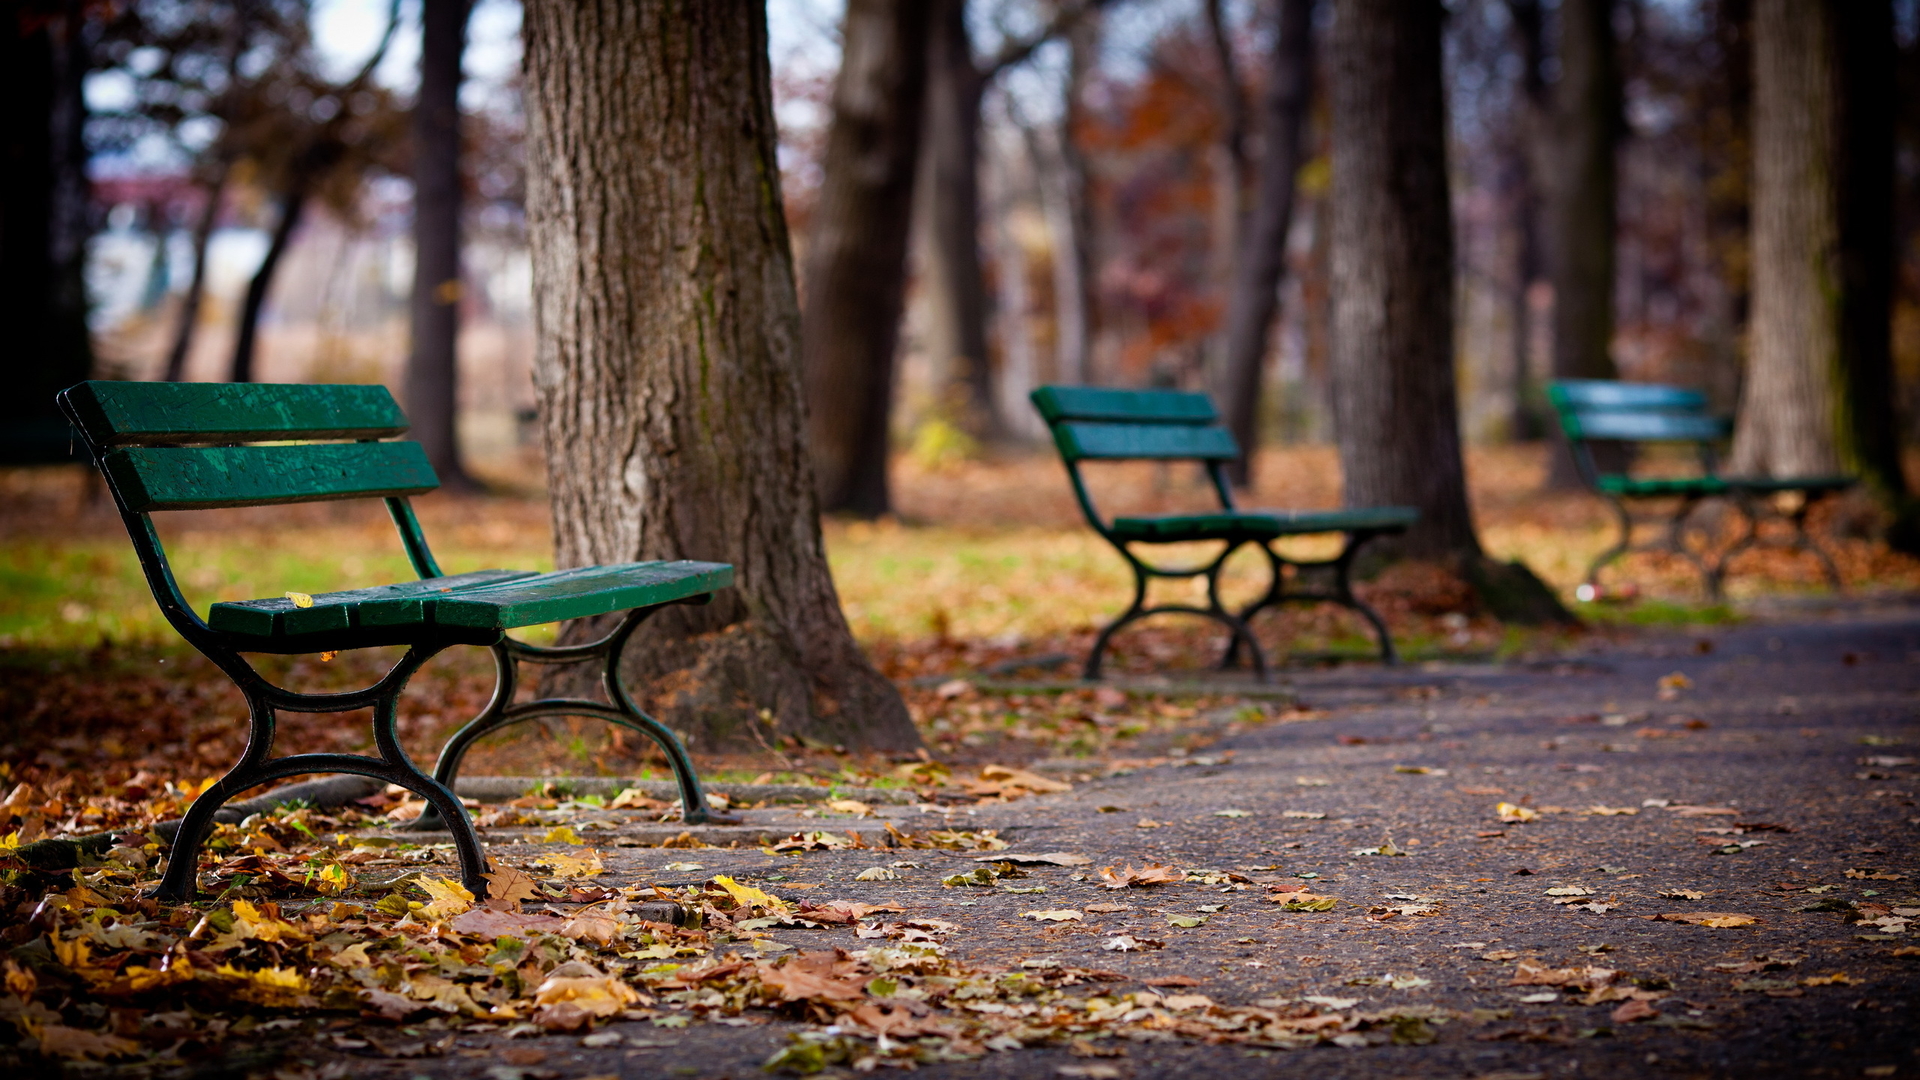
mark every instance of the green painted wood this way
{"type": "Point", "coordinates": [1058, 403]}
{"type": "Point", "coordinates": [1634, 426]}
{"type": "Point", "coordinates": [153, 478]}
{"type": "Point", "coordinates": [402, 604]}
{"type": "Point", "coordinates": [115, 414]}
{"type": "Point", "coordinates": [1613, 394]}
{"type": "Point", "coordinates": [1661, 486]}
{"type": "Point", "coordinates": [579, 594]}
{"type": "Point", "coordinates": [1260, 525]}
{"type": "Point", "coordinates": [1080, 441]}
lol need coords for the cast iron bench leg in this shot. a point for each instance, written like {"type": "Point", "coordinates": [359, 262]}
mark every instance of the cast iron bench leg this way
{"type": "Point", "coordinates": [1214, 610]}
{"type": "Point", "coordinates": [1802, 540]}
{"type": "Point", "coordinates": [1342, 567]}
{"type": "Point", "coordinates": [257, 766]}
{"type": "Point", "coordinates": [501, 711]}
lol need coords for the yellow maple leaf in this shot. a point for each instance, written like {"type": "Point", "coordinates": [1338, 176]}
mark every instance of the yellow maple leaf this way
{"type": "Point", "coordinates": [273, 978]}
{"type": "Point", "coordinates": [450, 898]}
{"type": "Point", "coordinates": [574, 866]}
{"type": "Point", "coordinates": [71, 952]}
{"type": "Point", "coordinates": [1510, 813]}
{"type": "Point", "coordinates": [562, 834]}
{"type": "Point", "coordinates": [747, 895]}
{"type": "Point", "coordinates": [300, 599]}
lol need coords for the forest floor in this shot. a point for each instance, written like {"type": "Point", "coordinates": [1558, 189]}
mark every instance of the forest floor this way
{"type": "Point", "coordinates": [1679, 842]}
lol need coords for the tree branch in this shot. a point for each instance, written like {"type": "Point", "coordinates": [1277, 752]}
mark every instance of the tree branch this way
{"type": "Point", "coordinates": [1017, 51]}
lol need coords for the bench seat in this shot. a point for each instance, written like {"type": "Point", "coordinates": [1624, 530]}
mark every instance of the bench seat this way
{"type": "Point", "coordinates": [476, 607]}
{"type": "Point", "coordinates": [1258, 525]}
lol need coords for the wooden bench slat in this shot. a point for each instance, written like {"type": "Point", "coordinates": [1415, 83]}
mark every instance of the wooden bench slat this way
{"type": "Point", "coordinates": [1081, 441]}
{"type": "Point", "coordinates": [1261, 525]}
{"type": "Point", "coordinates": [579, 594]}
{"type": "Point", "coordinates": [1610, 394]}
{"type": "Point", "coordinates": [116, 414]}
{"type": "Point", "coordinates": [1058, 403]}
{"type": "Point", "coordinates": [203, 478]}
{"type": "Point", "coordinates": [1645, 426]}
{"type": "Point", "coordinates": [399, 604]}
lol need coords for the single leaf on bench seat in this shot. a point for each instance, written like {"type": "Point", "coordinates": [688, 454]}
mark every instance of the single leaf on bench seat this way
{"type": "Point", "coordinates": [390, 605]}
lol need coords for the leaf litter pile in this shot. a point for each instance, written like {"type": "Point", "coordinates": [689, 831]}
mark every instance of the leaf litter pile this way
{"type": "Point", "coordinates": [363, 944]}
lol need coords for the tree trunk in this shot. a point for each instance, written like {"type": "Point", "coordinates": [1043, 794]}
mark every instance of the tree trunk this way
{"type": "Point", "coordinates": [183, 333]}
{"type": "Point", "coordinates": [292, 206]}
{"type": "Point", "coordinates": [856, 265]}
{"type": "Point", "coordinates": [44, 223]}
{"type": "Point", "coordinates": [433, 372]}
{"type": "Point", "coordinates": [950, 199]}
{"type": "Point", "coordinates": [668, 363]}
{"type": "Point", "coordinates": [1069, 216]}
{"type": "Point", "coordinates": [1581, 198]}
{"type": "Point", "coordinates": [1395, 414]}
{"type": "Point", "coordinates": [1263, 263]}
{"type": "Point", "coordinates": [1524, 167]}
{"type": "Point", "coordinates": [1789, 403]}
{"type": "Point", "coordinates": [1868, 428]}
{"type": "Point", "coordinates": [1229, 168]}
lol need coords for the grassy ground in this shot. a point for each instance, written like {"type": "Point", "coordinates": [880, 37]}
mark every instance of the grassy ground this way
{"type": "Point", "coordinates": [987, 562]}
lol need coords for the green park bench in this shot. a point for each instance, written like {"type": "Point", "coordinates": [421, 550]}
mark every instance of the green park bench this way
{"type": "Point", "coordinates": [1606, 422]}
{"type": "Point", "coordinates": [192, 446]}
{"type": "Point", "coordinates": [1098, 424]}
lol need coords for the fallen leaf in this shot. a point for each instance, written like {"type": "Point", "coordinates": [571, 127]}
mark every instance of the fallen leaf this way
{"type": "Point", "coordinates": [490, 923]}
{"type": "Point", "coordinates": [1582, 978]}
{"type": "Point", "coordinates": [1682, 894]}
{"type": "Point", "coordinates": [1150, 874]}
{"type": "Point", "coordinates": [450, 898]}
{"type": "Point", "coordinates": [507, 886]}
{"type": "Point", "coordinates": [1633, 1011]}
{"type": "Point", "coordinates": [1232, 813]}
{"type": "Point", "coordinates": [682, 867]}
{"type": "Point", "coordinates": [1185, 1002]}
{"type": "Point", "coordinates": [1334, 1003]}
{"type": "Point", "coordinates": [876, 873]}
{"type": "Point", "coordinates": [1510, 813]}
{"type": "Point", "coordinates": [1716, 919]}
{"type": "Point", "coordinates": [747, 896]}
{"type": "Point", "coordinates": [1056, 915]}
{"type": "Point", "coordinates": [1129, 943]}
{"type": "Point", "coordinates": [1611, 811]}
{"type": "Point", "coordinates": [850, 806]}
{"type": "Point", "coordinates": [573, 866]}
{"type": "Point", "coordinates": [1303, 815]}
{"type": "Point", "coordinates": [1171, 980]}
{"type": "Point", "coordinates": [1299, 902]}
{"type": "Point", "coordinates": [1105, 909]}
{"type": "Point", "coordinates": [1570, 890]}
{"type": "Point", "coordinates": [300, 599]}
{"type": "Point", "coordinates": [1186, 922]}
{"type": "Point", "coordinates": [1052, 858]}
{"type": "Point", "coordinates": [79, 1044]}
{"type": "Point", "coordinates": [1147, 823]}
{"type": "Point", "coordinates": [839, 912]}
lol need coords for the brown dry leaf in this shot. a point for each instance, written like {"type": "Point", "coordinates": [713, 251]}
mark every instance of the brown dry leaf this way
{"type": "Point", "coordinates": [507, 886]}
{"type": "Point", "coordinates": [1716, 919]}
{"type": "Point", "coordinates": [573, 866]}
{"type": "Point", "coordinates": [895, 1021]}
{"type": "Point", "coordinates": [841, 912]}
{"type": "Point", "coordinates": [1021, 779]}
{"type": "Point", "coordinates": [850, 806]}
{"type": "Point", "coordinates": [79, 1044]}
{"type": "Point", "coordinates": [810, 977]}
{"type": "Point", "coordinates": [1528, 973]}
{"type": "Point", "coordinates": [1184, 1002]}
{"type": "Point", "coordinates": [1104, 909]}
{"type": "Point", "coordinates": [597, 929]}
{"type": "Point", "coordinates": [490, 923]}
{"type": "Point", "coordinates": [1172, 980]}
{"type": "Point", "coordinates": [1634, 1010]}
{"type": "Point", "coordinates": [1150, 874]}
{"type": "Point", "coordinates": [1688, 810]}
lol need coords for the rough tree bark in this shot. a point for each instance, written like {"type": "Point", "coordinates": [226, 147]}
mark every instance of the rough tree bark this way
{"type": "Point", "coordinates": [1070, 216]}
{"type": "Point", "coordinates": [1394, 404]}
{"type": "Point", "coordinates": [1229, 166]}
{"type": "Point", "coordinates": [1581, 204]}
{"type": "Point", "coordinates": [1524, 169]}
{"type": "Point", "coordinates": [433, 376]}
{"type": "Point", "coordinates": [1396, 418]}
{"type": "Point", "coordinates": [44, 226]}
{"type": "Point", "coordinates": [1262, 265]}
{"type": "Point", "coordinates": [856, 265]}
{"type": "Point", "coordinates": [668, 364]}
{"type": "Point", "coordinates": [1819, 390]}
{"type": "Point", "coordinates": [1788, 406]}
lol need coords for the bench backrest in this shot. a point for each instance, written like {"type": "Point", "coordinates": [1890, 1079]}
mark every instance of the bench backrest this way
{"type": "Point", "coordinates": [1634, 412]}
{"type": "Point", "coordinates": [182, 446]}
{"type": "Point", "coordinates": [1097, 423]}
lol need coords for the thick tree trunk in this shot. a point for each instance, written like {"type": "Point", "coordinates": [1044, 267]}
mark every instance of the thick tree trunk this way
{"type": "Point", "coordinates": [1581, 197]}
{"type": "Point", "coordinates": [1789, 405]}
{"type": "Point", "coordinates": [668, 363]}
{"type": "Point", "coordinates": [856, 265]}
{"type": "Point", "coordinates": [44, 222]}
{"type": "Point", "coordinates": [1868, 427]}
{"type": "Point", "coordinates": [950, 199]}
{"type": "Point", "coordinates": [292, 207]}
{"type": "Point", "coordinates": [1525, 167]}
{"type": "Point", "coordinates": [1229, 170]}
{"type": "Point", "coordinates": [1395, 414]}
{"type": "Point", "coordinates": [433, 367]}
{"type": "Point", "coordinates": [1262, 265]}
